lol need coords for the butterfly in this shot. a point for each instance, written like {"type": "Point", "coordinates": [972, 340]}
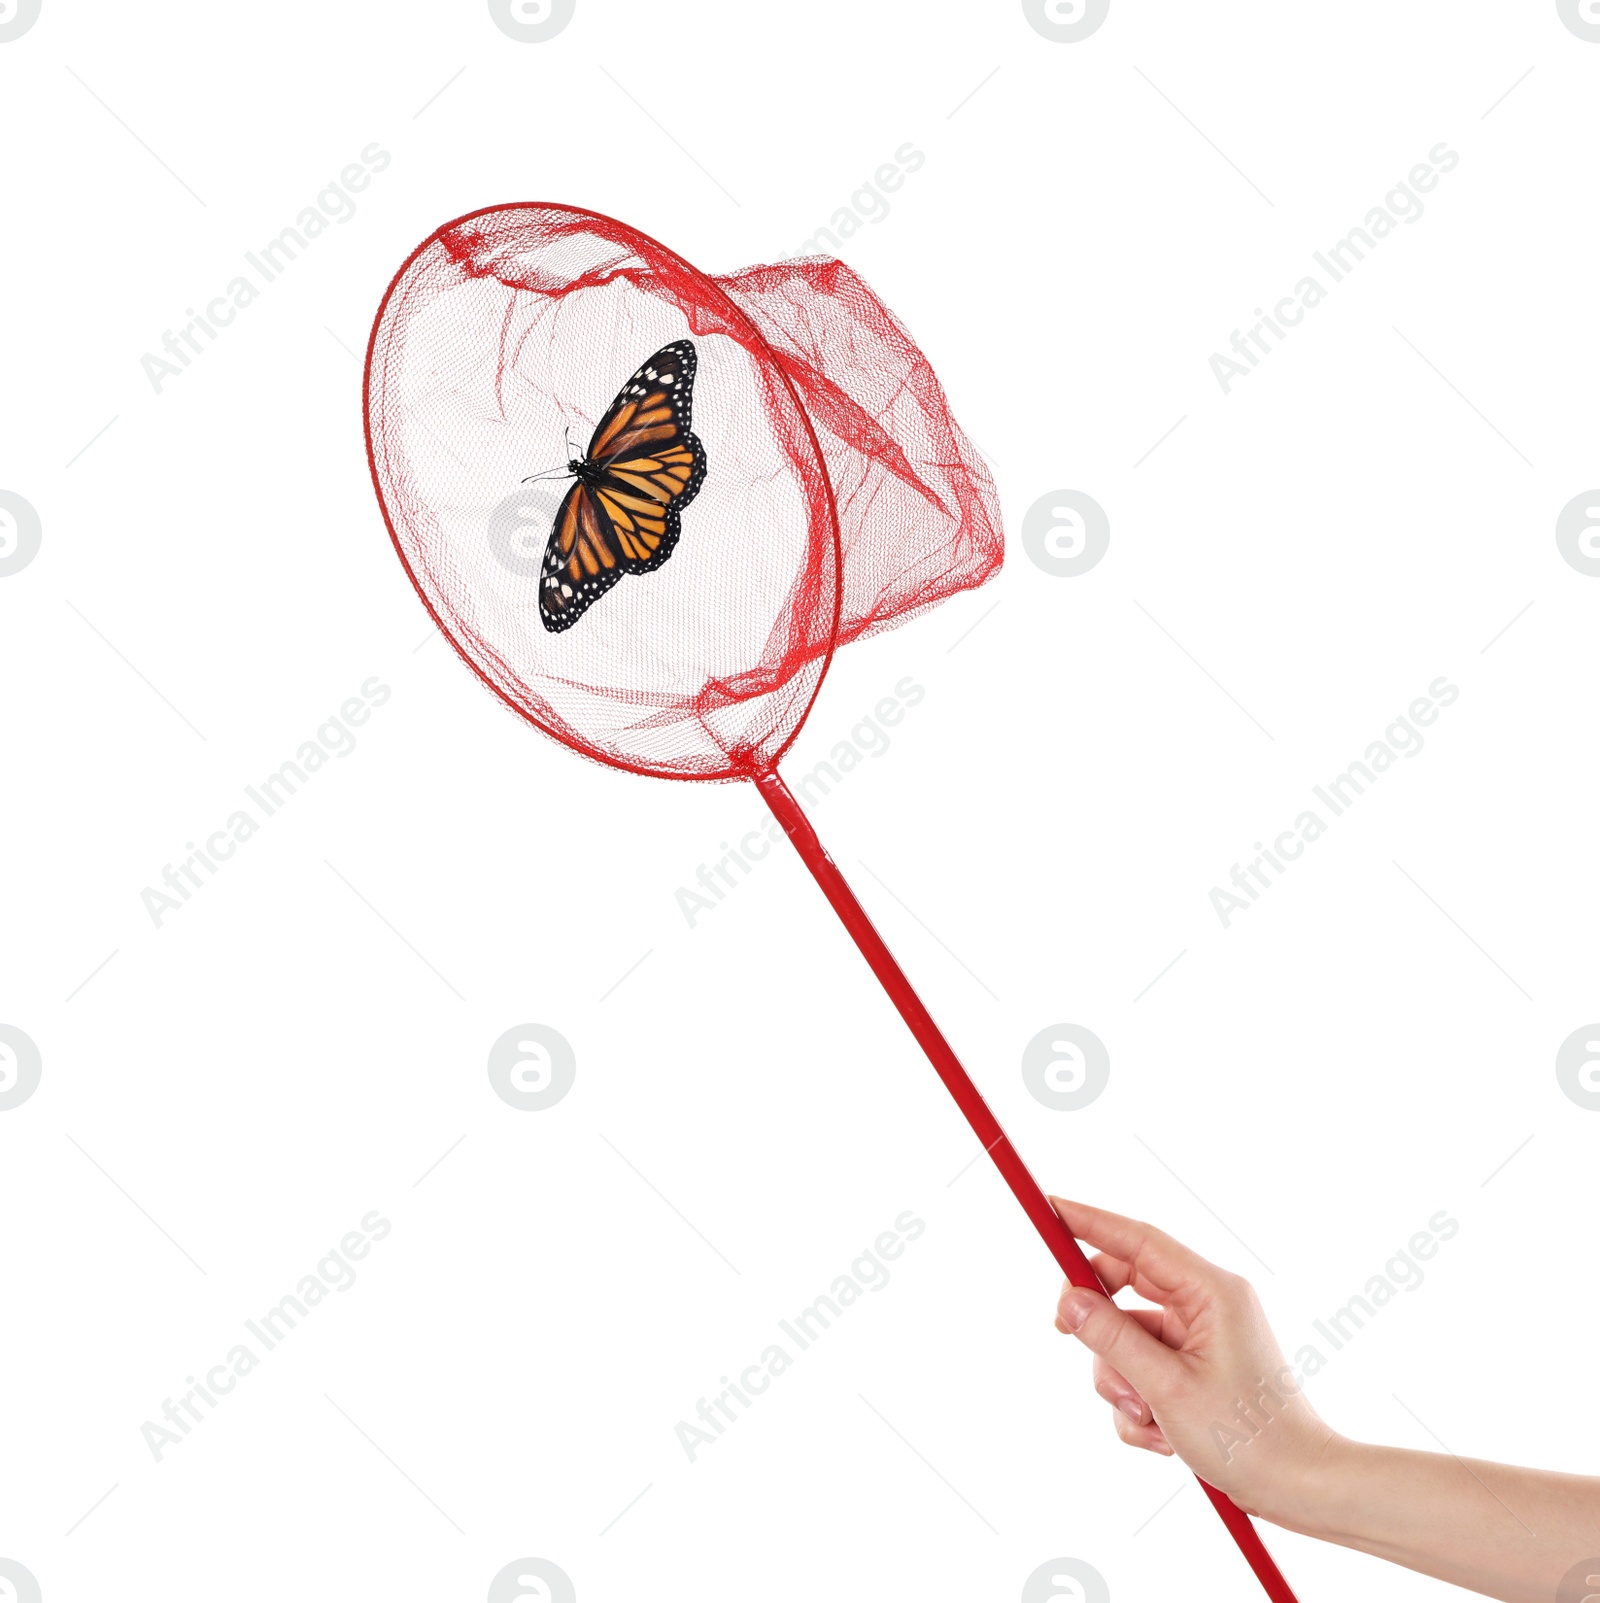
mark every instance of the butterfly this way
{"type": "Point", "coordinates": [643, 467]}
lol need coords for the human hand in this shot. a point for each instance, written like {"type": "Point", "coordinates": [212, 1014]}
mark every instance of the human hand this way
{"type": "Point", "coordinates": [1200, 1374]}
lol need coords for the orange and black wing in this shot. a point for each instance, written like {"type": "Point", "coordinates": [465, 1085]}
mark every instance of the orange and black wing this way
{"type": "Point", "coordinates": [652, 410]}
{"type": "Point", "coordinates": [644, 466]}
{"type": "Point", "coordinates": [581, 562]}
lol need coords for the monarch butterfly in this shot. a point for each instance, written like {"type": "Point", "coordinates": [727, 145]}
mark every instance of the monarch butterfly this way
{"type": "Point", "coordinates": [643, 467]}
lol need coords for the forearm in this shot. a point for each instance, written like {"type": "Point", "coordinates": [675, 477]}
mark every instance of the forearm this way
{"type": "Point", "coordinates": [1506, 1532]}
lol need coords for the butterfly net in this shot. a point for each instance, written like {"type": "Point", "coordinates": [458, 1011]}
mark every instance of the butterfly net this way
{"type": "Point", "coordinates": [838, 496]}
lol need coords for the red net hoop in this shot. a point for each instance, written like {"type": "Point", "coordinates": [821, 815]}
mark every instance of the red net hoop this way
{"type": "Point", "coordinates": [839, 497]}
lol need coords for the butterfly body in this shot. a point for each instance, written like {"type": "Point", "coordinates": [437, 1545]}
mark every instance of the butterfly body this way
{"type": "Point", "coordinates": [621, 516]}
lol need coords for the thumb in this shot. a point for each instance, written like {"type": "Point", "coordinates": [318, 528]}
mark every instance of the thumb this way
{"type": "Point", "coordinates": [1110, 1332]}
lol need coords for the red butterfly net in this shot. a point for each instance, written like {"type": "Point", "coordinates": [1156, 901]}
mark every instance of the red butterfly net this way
{"type": "Point", "coordinates": [768, 470]}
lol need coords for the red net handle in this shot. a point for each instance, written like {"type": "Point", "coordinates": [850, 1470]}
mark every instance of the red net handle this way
{"type": "Point", "coordinates": [985, 1126]}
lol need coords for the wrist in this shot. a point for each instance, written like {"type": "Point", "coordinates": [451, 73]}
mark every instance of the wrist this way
{"type": "Point", "coordinates": [1315, 1496]}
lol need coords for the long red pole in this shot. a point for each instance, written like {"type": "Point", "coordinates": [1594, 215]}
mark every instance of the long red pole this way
{"type": "Point", "coordinates": [985, 1126]}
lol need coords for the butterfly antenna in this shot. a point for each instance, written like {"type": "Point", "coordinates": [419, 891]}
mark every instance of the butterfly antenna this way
{"type": "Point", "coordinates": [556, 473]}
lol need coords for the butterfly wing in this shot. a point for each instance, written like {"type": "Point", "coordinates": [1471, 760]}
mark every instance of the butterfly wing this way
{"type": "Point", "coordinates": [644, 466]}
{"type": "Point", "coordinates": [581, 561]}
{"type": "Point", "coordinates": [652, 409]}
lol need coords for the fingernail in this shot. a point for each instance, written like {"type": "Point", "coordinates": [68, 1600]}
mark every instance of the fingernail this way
{"type": "Point", "coordinates": [1074, 1310]}
{"type": "Point", "coordinates": [1132, 1410]}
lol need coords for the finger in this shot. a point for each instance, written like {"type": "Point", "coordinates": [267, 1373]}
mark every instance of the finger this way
{"type": "Point", "coordinates": [1114, 1273]}
{"type": "Point", "coordinates": [1163, 1322]}
{"type": "Point", "coordinates": [1117, 1390]}
{"type": "Point", "coordinates": [1168, 1268]}
{"type": "Point", "coordinates": [1149, 1437]}
{"type": "Point", "coordinates": [1166, 1323]}
{"type": "Point", "coordinates": [1155, 1320]}
{"type": "Point", "coordinates": [1115, 1387]}
{"type": "Point", "coordinates": [1114, 1334]}
{"type": "Point", "coordinates": [1167, 1263]}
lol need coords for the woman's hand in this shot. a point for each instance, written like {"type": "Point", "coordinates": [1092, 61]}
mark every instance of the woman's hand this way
{"type": "Point", "coordinates": [1200, 1374]}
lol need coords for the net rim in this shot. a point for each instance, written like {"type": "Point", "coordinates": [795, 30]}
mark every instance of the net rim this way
{"type": "Point", "coordinates": [757, 342]}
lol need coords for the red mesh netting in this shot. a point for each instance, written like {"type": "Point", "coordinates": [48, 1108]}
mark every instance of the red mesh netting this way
{"type": "Point", "coordinates": [838, 495]}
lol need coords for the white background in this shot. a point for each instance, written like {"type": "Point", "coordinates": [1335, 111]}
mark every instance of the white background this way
{"type": "Point", "coordinates": [1369, 1044]}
